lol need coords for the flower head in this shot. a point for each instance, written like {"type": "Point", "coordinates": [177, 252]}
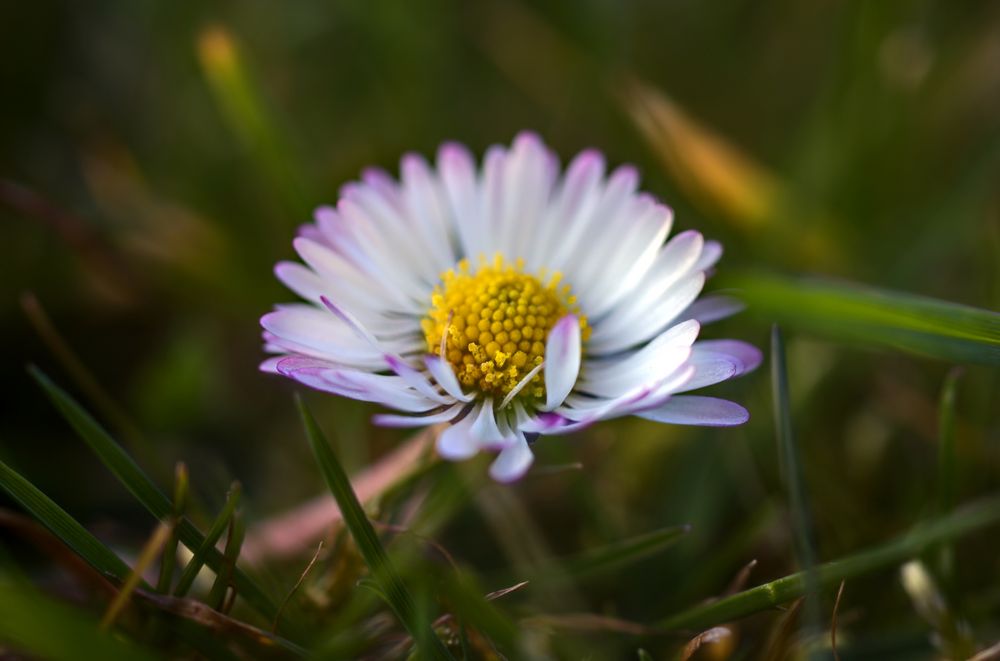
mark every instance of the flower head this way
{"type": "Point", "coordinates": [509, 301]}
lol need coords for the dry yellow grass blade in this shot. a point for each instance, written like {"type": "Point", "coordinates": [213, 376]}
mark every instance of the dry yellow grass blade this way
{"type": "Point", "coordinates": [710, 169]}
{"type": "Point", "coordinates": [149, 553]}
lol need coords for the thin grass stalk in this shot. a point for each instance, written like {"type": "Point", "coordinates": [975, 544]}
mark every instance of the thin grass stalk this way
{"type": "Point", "coordinates": [218, 527]}
{"type": "Point", "coordinates": [970, 518]}
{"type": "Point", "coordinates": [169, 559]}
{"type": "Point", "coordinates": [386, 579]}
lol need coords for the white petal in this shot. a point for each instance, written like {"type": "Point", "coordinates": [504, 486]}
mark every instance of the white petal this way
{"type": "Point", "coordinates": [426, 205]}
{"type": "Point", "coordinates": [672, 263]}
{"type": "Point", "coordinates": [392, 420]}
{"type": "Point", "coordinates": [635, 254]}
{"type": "Point", "coordinates": [709, 256]}
{"type": "Point", "coordinates": [562, 360]}
{"type": "Point", "coordinates": [484, 427]}
{"type": "Point", "coordinates": [458, 178]}
{"type": "Point", "coordinates": [746, 355]}
{"type": "Point", "coordinates": [442, 372]}
{"type": "Point", "coordinates": [711, 369]}
{"type": "Point", "coordinates": [638, 326]}
{"type": "Point", "coordinates": [457, 442]}
{"type": "Point", "coordinates": [513, 461]}
{"type": "Point", "coordinates": [566, 222]}
{"type": "Point", "coordinates": [415, 379]}
{"type": "Point", "coordinates": [713, 308]}
{"type": "Point", "coordinates": [695, 410]}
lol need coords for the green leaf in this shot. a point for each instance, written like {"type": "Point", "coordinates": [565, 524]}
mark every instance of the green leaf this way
{"type": "Point", "coordinates": [970, 518]}
{"type": "Point", "coordinates": [855, 313]}
{"type": "Point", "coordinates": [139, 484]}
{"type": "Point", "coordinates": [200, 554]}
{"type": "Point", "coordinates": [374, 554]}
{"type": "Point", "coordinates": [62, 525]}
{"type": "Point", "coordinates": [48, 629]}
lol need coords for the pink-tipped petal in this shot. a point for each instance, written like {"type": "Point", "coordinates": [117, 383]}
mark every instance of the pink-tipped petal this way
{"type": "Point", "coordinates": [271, 365]}
{"type": "Point", "coordinates": [748, 356]}
{"type": "Point", "coordinates": [696, 410]}
{"type": "Point", "coordinates": [562, 360]}
{"type": "Point", "coordinates": [710, 254]}
{"type": "Point", "coordinates": [713, 308]}
{"type": "Point", "coordinates": [513, 461]}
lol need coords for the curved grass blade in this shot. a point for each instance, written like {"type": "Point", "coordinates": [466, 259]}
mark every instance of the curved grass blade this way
{"type": "Point", "coordinates": [844, 311]}
{"type": "Point", "coordinates": [383, 572]}
{"type": "Point", "coordinates": [611, 557]}
{"type": "Point", "coordinates": [138, 483]}
{"type": "Point", "coordinates": [169, 558]}
{"type": "Point", "coordinates": [788, 455]}
{"type": "Point", "coordinates": [197, 560]}
{"type": "Point", "coordinates": [217, 595]}
{"type": "Point", "coordinates": [149, 552]}
{"type": "Point", "coordinates": [963, 521]}
{"type": "Point", "coordinates": [48, 629]}
{"type": "Point", "coordinates": [62, 525]}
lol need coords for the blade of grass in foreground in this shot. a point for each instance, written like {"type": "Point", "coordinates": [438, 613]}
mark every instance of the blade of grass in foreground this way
{"type": "Point", "coordinates": [788, 455]}
{"type": "Point", "coordinates": [385, 575]}
{"type": "Point", "coordinates": [62, 525]}
{"type": "Point", "coordinates": [974, 516]}
{"type": "Point", "coordinates": [611, 557]}
{"type": "Point", "coordinates": [170, 550]}
{"type": "Point", "coordinates": [138, 483]}
{"type": "Point", "coordinates": [843, 311]}
{"type": "Point", "coordinates": [34, 623]}
{"type": "Point", "coordinates": [947, 467]}
{"type": "Point", "coordinates": [198, 556]}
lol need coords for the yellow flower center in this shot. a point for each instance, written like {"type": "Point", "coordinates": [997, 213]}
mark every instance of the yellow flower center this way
{"type": "Point", "coordinates": [491, 325]}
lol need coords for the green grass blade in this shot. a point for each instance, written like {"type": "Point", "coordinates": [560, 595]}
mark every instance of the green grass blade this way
{"type": "Point", "coordinates": [792, 472]}
{"type": "Point", "coordinates": [62, 525]}
{"type": "Point", "coordinates": [169, 558]}
{"type": "Point", "coordinates": [138, 483]}
{"type": "Point", "coordinates": [947, 468]}
{"type": "Point", "coordinates": [842, 311]}
{"type": "Point", "coordinates": [374, 554]}
{"type": "Point", "coordinates": [963, 521]}
{"type": "Point", "coordinates": [611, 557]}
{"type": "Point", "coordinates": [199, 555]}
{"type": "Point", "coordinates": [217, 595]}
{"type": "Point", "coordinates": [48, 629]}
{"type": "Point", "coordinates": [473, 609]}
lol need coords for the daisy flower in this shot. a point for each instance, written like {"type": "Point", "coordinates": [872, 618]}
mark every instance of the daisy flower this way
{"type": "Point", "coordinates": [509, 300]}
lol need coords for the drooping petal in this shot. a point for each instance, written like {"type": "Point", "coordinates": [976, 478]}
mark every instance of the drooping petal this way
{"type": "Point", "coordinates": [562, 360]}
{"type": "Point", "coordinates": [442, 372]}
{"type": "Point", "coordinates": [417, 420]}
{"type": "Point", "coordinates": [457, 441]}
{"type": "Point", "coordinates": [697, 410]}
{"type": "Point", "coordinates": [513, 461]}
{"type": "Point", "coordinates": [484, 427]}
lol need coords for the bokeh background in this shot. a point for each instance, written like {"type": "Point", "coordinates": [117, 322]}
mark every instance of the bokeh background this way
{"type": "Point", "coordinates": [157, 157]}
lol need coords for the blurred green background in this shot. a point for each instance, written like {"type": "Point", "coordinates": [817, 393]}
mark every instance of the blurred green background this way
{"type": "Point", "coordinates": [156, 158]}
